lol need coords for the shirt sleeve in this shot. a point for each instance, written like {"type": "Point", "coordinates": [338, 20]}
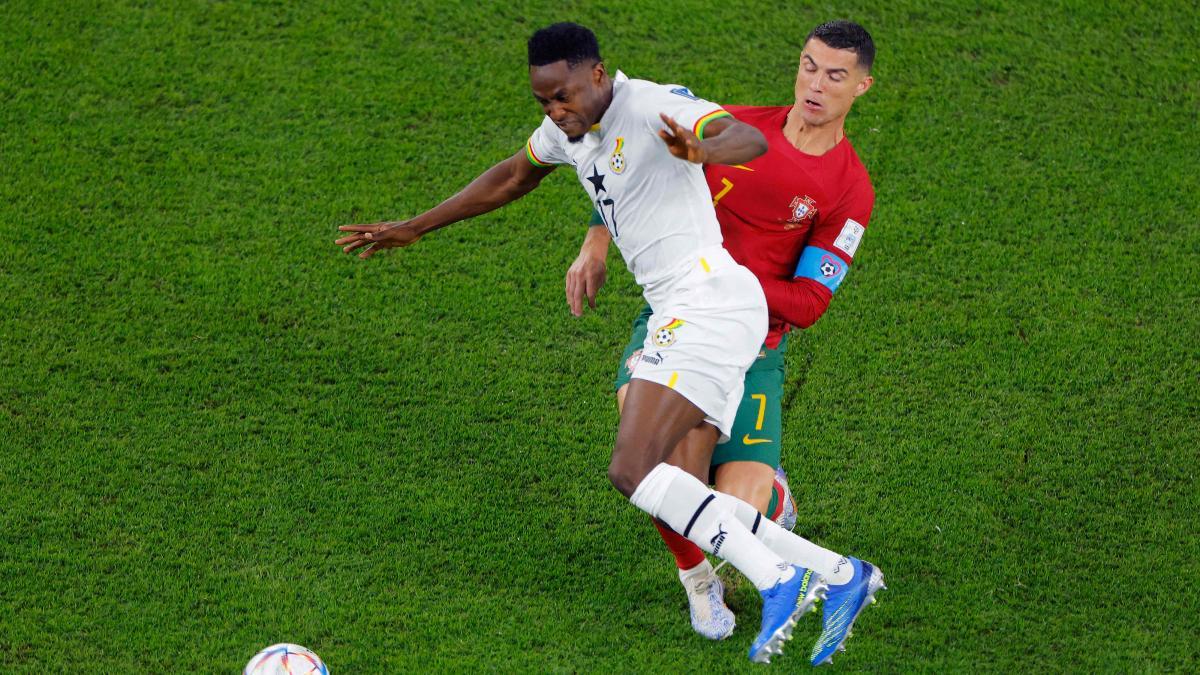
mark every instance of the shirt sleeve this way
{"type": "Point", "coordinates": [841, 230]}
{"type": "Point", "coordinates": [799, 302]}
{"type": "Point", "coordinates": [544, 148]}
{"type": "Point", "coordinates": [684, 107]}
{"type": "Point", "coordinates": [824, 262]}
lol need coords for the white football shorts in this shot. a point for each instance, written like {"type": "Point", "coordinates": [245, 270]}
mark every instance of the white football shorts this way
{"type": "Point", "coordinates": [708, 326]}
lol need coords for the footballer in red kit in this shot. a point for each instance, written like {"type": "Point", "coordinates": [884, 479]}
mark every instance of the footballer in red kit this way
{"type": "Point", "coordinates": [794, 216]}
{"type": "Point", "coordinates": [794, 219]}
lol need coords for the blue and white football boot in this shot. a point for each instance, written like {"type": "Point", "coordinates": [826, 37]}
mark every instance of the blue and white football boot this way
{"type": "Point", "coordinates": [787, 515]}
{"type": "Point", "coordinates": [783, 604]}
{"type": "Point", "coordinates": [842, 606]}
{"type": "Point", "coordinates": [706, 602]}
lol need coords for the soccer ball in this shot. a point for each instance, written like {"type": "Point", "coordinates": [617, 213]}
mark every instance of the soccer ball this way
{"type": "Point", "coordinates": [285, 659]}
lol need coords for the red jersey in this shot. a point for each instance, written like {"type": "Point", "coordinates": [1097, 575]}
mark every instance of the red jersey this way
{"type": "Point", "coordinates": [795, 220]}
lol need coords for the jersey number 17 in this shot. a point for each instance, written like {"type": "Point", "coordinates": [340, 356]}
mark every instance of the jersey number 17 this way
{"type": "Point", "coordinates": [609, 216]}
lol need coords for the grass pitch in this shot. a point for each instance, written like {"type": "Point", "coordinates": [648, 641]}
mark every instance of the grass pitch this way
{"type": "Point", "coordinates": [217, 432]}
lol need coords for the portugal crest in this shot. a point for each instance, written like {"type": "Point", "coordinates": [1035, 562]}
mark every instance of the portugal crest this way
{"type": "Point", "coordinates": [616, 161]}
{"type": "Point", "coordinates": [803, 209]}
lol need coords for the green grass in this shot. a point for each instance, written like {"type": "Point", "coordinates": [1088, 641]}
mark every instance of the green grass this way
{"type": "Point", "coordinates": [217, 432]}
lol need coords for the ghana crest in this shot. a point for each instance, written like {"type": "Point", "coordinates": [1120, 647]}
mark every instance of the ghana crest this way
{"type": "Point", "coordinates": [665, 335]}
{"type": "Point", "coordinates": [616, 161]}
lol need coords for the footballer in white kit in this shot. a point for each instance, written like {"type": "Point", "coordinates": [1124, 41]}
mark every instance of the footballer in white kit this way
{"type": "Point", "coordinates": [710, 315]}
{"type": "Point", "coordinates": [637, 148]}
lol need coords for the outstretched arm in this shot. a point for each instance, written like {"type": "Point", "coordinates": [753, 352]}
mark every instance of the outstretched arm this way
{"type": "Point", "coordinates": [726, 141]}
{"type": "Point", "coordinates": [503, 183]}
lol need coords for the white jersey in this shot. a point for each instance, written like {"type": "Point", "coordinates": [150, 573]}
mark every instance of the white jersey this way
{"type": "Point", "coordinates": [657, 207]}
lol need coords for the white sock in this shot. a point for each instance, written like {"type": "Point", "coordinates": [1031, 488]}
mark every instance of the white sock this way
{"type": "Point", "coordinates": [791, 546]}
{"type": "Point", "coordinates": [687, 506]}
{"type": "Point", "coordinates": [704, 569]}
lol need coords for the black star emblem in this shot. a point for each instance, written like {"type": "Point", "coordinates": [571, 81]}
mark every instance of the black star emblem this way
{"type": "Point", "coordinates": [597, 179]}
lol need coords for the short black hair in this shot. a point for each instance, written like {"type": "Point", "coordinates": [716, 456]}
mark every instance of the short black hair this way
{"type": "Point", "coordinates": [843, 34]}
{"type": "Point", "coordinates": [563, 41]}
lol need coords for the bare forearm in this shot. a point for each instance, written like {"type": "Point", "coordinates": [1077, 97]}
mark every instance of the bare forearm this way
{"type": "Point", "coordinates": [595, 242]}
{"type": "Point", "coordinates": [736, 144]}
{"type": "Point", "coordinates": [493, 188]}
{"type": "Point", "coordinates": [587, 274]}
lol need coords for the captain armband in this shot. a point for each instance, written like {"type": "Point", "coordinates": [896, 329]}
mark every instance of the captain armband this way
{"type": "Point", "coordinates": [596, 219]}
{"type": "Point", "coordinates": [822, 267]}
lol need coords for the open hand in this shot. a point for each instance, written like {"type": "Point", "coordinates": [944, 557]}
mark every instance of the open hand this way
{"type": "Point", "coordinates": [584, 278]}
{"type": "Point", "coordinates": [377, 237]}
{"type": "Point", "coordinates": [681, 142]}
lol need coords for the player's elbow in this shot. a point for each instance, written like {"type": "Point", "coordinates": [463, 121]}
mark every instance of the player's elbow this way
{"type": "Point", "coordinates": [799, 302]}
{"type": "Point", "coordinates": [517, 184]}
{"type": "Point", "coordinates": [739, 142]}
{"type": "Point", "coordinates": [812, 310]}
{"type": "Point", "coordinates": [751, 142]}
{"type": "Point", "coordinates": [807, 320]}
{"type": "Point", "coordinates": [757, 141]}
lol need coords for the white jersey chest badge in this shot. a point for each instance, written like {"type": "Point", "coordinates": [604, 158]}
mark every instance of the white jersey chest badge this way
{"type": "Point", "coordinates": [616, 161]}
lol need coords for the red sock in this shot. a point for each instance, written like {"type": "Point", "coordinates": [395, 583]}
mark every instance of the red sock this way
{"type": "Point", "coordinates": [687, 555]}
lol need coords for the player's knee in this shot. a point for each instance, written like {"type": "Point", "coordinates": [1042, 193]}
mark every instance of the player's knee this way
{"type": "Point", "coordinates": [744, 488]}
{"type": "Point", "coordinates": [622, 477]}
{"type": "Point", "coordinates": [628, 466]}
{"type": "Point", "coordinates": [747, 481]}
{"type": "Point", "coordinates": [739, 490]}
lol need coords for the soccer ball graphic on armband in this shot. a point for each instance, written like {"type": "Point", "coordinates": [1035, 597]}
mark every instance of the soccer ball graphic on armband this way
{"type": "Point", "coordinates": [285, 659]}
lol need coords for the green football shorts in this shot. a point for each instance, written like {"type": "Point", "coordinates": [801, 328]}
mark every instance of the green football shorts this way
{"type": "Point", "coordinates": [758, 427]}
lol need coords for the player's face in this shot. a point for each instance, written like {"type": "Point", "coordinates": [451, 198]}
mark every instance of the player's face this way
{"type": "Point", "coordinates": [573, 98]}
{"type": "Point", "coordinates": [828, 82]}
